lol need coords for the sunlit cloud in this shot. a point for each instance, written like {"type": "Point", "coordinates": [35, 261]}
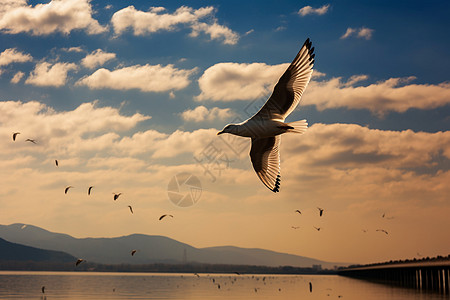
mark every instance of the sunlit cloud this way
{"type": "Point", "coordinates": [17, 77]}
{"type": "Point", "coordinates": [233, 81]}
{"type": "Point", "coordinates": [97, 58]}
{"type": "Point", "coordinates": [155, 20]}
{"type": "Point", "coordinates": [77, 49]}
{"type": "Point", "coordinates": [201, 113]}
{"type": "Point", "coordinates": [147, 78]}
{"type": "Point", "coordinates": [46, 74]}
{"type": "Point", "coordinates": [61, 16]}
{"type": "Point", "coordinates": [363, 32]}
{"type": "Point", "coordinates": [12, 55]}
{"type": "Point", "coordinates": [308, 10]}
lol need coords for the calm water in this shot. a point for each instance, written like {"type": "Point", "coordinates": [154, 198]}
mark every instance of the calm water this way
{"type": "Point", "coordinates": [80, 285]}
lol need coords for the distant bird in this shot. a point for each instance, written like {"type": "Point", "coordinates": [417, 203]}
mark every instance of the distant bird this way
{"type": "Point", "coordinates": [297, 211]}
{"type": "Point", "coordinates": [56, 162]}
{"type": "Point", "coordinates": [79, 261]}
{"type": "Point", "coordinates": [67, 189]}
{"type": "Point", "coordinates": [237, 273]}
{"type": "Point", "coordinates": [364, 230]}
{"type": "Point", "coordinates": [267, 125]}
{"type": "Point", "coordinates": [133, 252]}
{"type": "Point", "coordinates": [116, 196]}
{"type": "Point", "coordinates": [196, 275]}
{"type": "Point", "coordinates": [43, 289]}
{"type": "Point", "coordinates": [15, 135]}
{"type": "Point", "coordinates": [387, 218]}
{"type": "Point", "coordinates": [320, 211]}
{"type": "Point", "coordinates": [218, 286]}
{"type": "Point", "coordinates": [31, 141]}
{"type": "Point", "coordinates": [295, 227]}
{"type": "Point", "coordinates": [131, 209]}
{"type": "Point", "coordinates": [163, 216]}
{"type": "Point", "coordinates": [317, 228]}
{"type": "Point", "coordinates": [90, 189]}
{"type": "Point", "coordinates": [310, 287]}
{"type": "Point", "coordinates": [382, 230]}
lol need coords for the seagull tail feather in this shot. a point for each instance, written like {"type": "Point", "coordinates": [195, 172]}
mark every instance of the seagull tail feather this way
{"type": "Point", "coordinates": [298, 126]}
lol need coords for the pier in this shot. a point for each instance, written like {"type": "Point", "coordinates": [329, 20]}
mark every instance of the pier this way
{"type": "Point", "coordinates": [421, 275]}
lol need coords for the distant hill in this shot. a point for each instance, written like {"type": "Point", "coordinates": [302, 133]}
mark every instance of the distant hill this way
{"type": "Point", "coordinates": [151, 249]}
{"type": "Point", "coordinates": [16, 252]}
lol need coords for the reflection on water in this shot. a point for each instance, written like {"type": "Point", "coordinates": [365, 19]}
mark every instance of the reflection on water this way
{"type": "Point", "coordinates": [87, 285]}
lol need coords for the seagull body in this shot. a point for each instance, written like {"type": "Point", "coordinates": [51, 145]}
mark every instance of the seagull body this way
{"type": "Point", "coordinates": [56, 162]}
{"type": "Point", "coordinates": [79, 261]}
{"type": "Point", "coordinates": [90, 189]}
{"type": "Point", "coordinates": [131, 209]}
{"type": "Point", "coordinates": [320, 211]}
{"type": "Point", "coordinates": [31, 141]}
{"type": "Point", "coordinates": [163, 216]}
{"type": "Point", "coordinates": [382, 230]}
{"type": "Point", "coordinates": [116, 196]}
{"type": "Point", "coordinates": [133, 252]}
{"type": "Point", "coordinates": [15, 135]}
{"type": "Point", "coordinates": [266, 126]}
{"type": "Point", "coordinates": [298, 211]}
{"type": "Point", "coordinates": [67, 189]}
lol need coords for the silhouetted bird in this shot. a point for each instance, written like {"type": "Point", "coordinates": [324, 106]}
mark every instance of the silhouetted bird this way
{"type": "Point", "coordinates": [317, 228]}
{"type": "Point", "coordinates": [298, 211]}
{"type": "Point", "coordinates": [133, 252]}
{"type": "Point", "coordinates": [31, 141]}
{"type": "Point", "coordinates": [116, 196]}
{"type": "Point", "coordinates": [67, 189]}
{"type": "Point", "coordinates": [90, 189]}
{"type": "Point", "coordinates": [163, 216]}
{"type": "Point", "coordinates": [295, 227]}
{"type": "Point", "coordinates": [56, 162]}
{"type": "Point", "coordinates": [15, 135]}
{"type": "Point", "coordinates": [382, 230]}
{"type": "Point", "coordinates": [131, 209]}
{"type": "Point", "coordinates": [320, 211]}
{"type": "Point", "coordinates": [79, 261]}
{"type": "Point", "coordinates": [43, 289]}
{"type": "Point", "coordinates": [237, 273]}
{"type": "Point", "coordinates": [310, 287]}
{"type": "Point", "coordinates": [267, 125]}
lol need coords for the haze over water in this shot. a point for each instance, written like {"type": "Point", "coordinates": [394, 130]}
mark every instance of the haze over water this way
{"type": "Point", "coordinates": [77, 285]}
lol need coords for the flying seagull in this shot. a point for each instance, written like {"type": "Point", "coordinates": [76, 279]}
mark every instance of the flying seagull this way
{"type": "Point", "coordinates": [266, 126]}
{"type": "Point", "coordinates": [15, 135]}
{"type": "Point", "coordinates": [382, 230]}
{"type": "Point", "coordinates": [320, 211]}
{"type": "Point", "coordinates": [297, 211]}
{"type": "Point", "coordinates": [67, 189]}
{"type": "Point", "coordinates": [43, 289]}
{"type": "Point", "coordinates": [310, 287]}
{"type": "Point", "coordinates": [295, 227]}
{"type": "Point", "coordinates": [116, 196]}
{"type": "Point", "coordinates": [317, 228]}
{"type": "Point", "coordinates": [56, 162]}
{"type": "Point", "coordinates": [30, 140]}
{"type": "Point", "coordinates": [90, 189]}
{"type": "Point", "coordinates": [79, 261]}
{"type": "Point", "coordinates": [163, 216]}
{"type": "Point", "coordinates": [133, 252]}
{"type": "Point", "coordinates": [131, 209]}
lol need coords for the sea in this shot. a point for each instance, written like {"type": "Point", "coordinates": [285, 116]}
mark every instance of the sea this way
{"type": "Point", "coordinates": [93, 285]}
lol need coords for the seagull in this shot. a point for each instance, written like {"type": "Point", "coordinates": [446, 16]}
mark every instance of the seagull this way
{"type": "Point", "coordinates": [382, 230]}
{"type": "Point", "coordinates": [133, 252]}
{"type": "Point", "coordinates": [90, 189]}
{"type": "Point", "coordinates": [79, 261]}
{"type": "Point", "coordinates": [67, 189]}
{"type": "Point", "coordinates": [297, 211]}
{"type": "Point", "coordinates": [131, 209]}
{"type": "Point", "coordinates": [163, 216]}
{"type": "Point", "coordinates": [15, 135]}
{"type": "Point", "coordinates": [56, 162]}
{"type": "Point", "coordinates": [295, 227]}
{"type": "Point", "coordinates": [310, 287]}
{"type": "Point", "coordinates": [116, 196]}
{"type": "Point", "coordinates": [317, 228]}
{"type": "Point", "coordinates": [43, 289]}
{"type": "Point", "coordinates": [320, 211]}
{"type": "Point", "coordinates": [266, 126]}
{"type": "Point", "coordinates": [30, 140]}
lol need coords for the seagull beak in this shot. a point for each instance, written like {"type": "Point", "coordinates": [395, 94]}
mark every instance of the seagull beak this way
{"type": "Point", "coordinates": [220, 132]}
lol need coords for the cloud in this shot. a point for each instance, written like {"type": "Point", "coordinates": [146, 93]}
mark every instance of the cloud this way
{"type": "Point", "coordinates": [308, 10]}
{"type": "Point", "coordinates": [201, 113]}
{"type": "Point", "coordinates": [97, 58]}
{"type": "Point", "coordinates": [155, 20]}
{"type": "Point", "coordinates": [363, 32]}
{"type": "Point", "coordinates": [61, 16]}
{"type": "Point", "coordinates": [46, 74]}
{"type": "Point", "coordinates": [147, 78]}
{"type": "Point", "coordinates": [394, 94]}
{"type": "Point", "coordinates": [12, 55]}
{"type": "Point", "coordinates": [233, 81]}
{"type": "Point", "coordinates": [17, 77]}
{"type": "Point", "coordinates": [77, 49]}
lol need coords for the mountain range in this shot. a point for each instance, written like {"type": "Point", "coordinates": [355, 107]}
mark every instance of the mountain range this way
{"type": "Point", "coordinates": [150, 249]}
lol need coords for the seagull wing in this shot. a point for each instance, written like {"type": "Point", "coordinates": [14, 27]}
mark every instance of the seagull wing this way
{"type": "Point", "coordinates": [265, 157]}
{"type": "Point", "coordinates": [290, 87]}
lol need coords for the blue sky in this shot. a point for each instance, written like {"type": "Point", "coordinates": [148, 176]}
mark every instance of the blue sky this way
{"type": "Point", "coordinates": [128, 94]}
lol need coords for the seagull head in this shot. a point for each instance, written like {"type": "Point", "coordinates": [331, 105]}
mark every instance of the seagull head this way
{"type": "Point", "coordinates": [230, 128]}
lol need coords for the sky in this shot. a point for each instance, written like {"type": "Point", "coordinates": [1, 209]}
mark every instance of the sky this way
{"type": "Point", "coordinates": [128, 95]}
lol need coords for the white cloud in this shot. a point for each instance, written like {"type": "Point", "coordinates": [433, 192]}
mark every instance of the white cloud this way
{"type": "Point", "coordinates": [147, 78]}
{"type": "Point", "coordinates": [201, 113]}
{"type": "Point", "coordinates": [46, 74]}
{"type": "Point", "coordinates": [308, 10]}
{"type": "Point", "coordinates": [394, 94]}
{"type": "Point", "coordinates": [12, 55]}
{"type": "Point", "coordinates": [77, 49]}
{"type": "Point", "coordinates": [17, 77]}
{"type": "Point", "coordinates": [97, 58]}
{"type": "Point", "coordinates": [363, 32]}
{"type": "Point", "coordinates": [233, 81]}
{"type": "Point", "coordinates": [43, 19]}
{"type": "Point", "coordinates": [155, 20]}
